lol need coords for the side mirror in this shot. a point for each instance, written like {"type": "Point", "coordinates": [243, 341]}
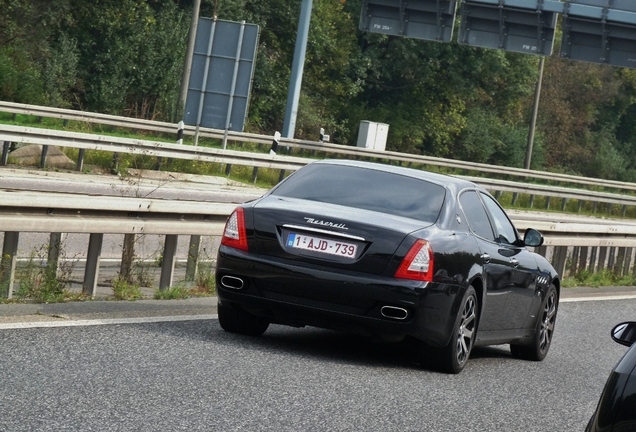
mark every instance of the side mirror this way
{"type": "Point", "coordinates": [625, 333]}
{"type": "Point", "coordinates": [532, 238]}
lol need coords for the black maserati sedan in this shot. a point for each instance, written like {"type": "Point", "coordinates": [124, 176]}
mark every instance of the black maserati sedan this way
{"type": "Point", "coordinates": [387, 252]}
{"type": "Point", "coordinates": [616, 410]}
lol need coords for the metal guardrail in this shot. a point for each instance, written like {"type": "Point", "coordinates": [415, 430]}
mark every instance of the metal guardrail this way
{"type": "Point", "coordinates": [589, 243]}
{"type": "Point", "coordinates": [139, 124]}
{"type": "Point", "coordinates": [46, 137]}
{"type": "Point", "coordinates": [98, 215]}
{"type": "Point", "coordinates": [592, 246]}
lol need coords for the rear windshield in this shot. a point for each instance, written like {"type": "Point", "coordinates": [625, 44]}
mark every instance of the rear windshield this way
{"type": "Point", "coordinates": [366, 189]}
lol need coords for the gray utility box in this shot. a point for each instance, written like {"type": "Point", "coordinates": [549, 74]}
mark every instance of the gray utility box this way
{"type": "Point", "coordinates": [373, 135]}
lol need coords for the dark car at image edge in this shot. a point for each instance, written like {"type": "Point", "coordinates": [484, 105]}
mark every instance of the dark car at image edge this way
{"type": "Point", "coordinates": [390, 253]}
{"type": "Point", "coordinates": [616, 409]}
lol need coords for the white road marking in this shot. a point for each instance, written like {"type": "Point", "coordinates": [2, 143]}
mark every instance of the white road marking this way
{"type": "Point", "coordinates": [599, 298]}
{"type": "Point", "coordinates": [95, 322]}
{"type": "Point", "coordinates": [175, 318]}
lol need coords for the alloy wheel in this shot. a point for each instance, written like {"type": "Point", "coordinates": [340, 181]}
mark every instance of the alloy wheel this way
{"type": "Point", "coordinates": [548, 321]}
{"type": "Point", "coordinates": [466, 330]}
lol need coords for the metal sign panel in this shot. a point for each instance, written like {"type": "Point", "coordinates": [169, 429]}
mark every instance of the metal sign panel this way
{"type": "Point", "coordinates": [221, 77]}
{"type": "Point", "coordinates": [604, 32]}
{"type": "Point", "coordinates": [418, 19]}
{"type": "Point", "coordinates": [526, 30]}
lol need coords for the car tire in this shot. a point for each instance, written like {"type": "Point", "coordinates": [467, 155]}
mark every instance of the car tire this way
{"type": "Point", "coordinates": [538, 348]}
{"type": "Point", "coordinates": [234, 319]}
{"type": "Point", "coordinates": [453, 357]}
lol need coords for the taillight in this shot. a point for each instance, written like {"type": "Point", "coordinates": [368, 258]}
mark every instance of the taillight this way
{"type": "Point", "coordinates": [418, 263]}
{"type": "Point", "coordinates": [234, 232]}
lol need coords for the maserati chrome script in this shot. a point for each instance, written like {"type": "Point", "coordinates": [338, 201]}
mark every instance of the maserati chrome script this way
{"type": "Point", "coordinates": [324, 223]}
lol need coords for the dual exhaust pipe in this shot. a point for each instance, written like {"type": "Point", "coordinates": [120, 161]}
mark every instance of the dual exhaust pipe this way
{"type": "Point", "coordinates": [391, 312]}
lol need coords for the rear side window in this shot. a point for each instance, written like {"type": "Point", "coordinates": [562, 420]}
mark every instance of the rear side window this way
{"type": "Point", "coordinates": [366, 189]}
{"type": "Point", "coordinates": [476, 215]}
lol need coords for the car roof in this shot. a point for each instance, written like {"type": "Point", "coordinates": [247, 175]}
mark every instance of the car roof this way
{"type": "Point", "coordinates": [443, 180]}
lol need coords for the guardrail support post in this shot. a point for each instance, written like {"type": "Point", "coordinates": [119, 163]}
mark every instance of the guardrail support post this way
{"type": "Point", "coordinates": [543, 251]}
{"type": "Point", "coordinates": [254, 175]}
{"type": "Point", "coordinates": [563, 204]}
{"type": "Point", "coordinates": [559, 259]}
{"type": "Point", "coordinates": [5, 153]}
{"type": "Point", "coordinates": [602, 259]}
{"type": "Point", "coordinates": [547, 203]}
{"type": "Point", "coordinates": [582, 258]}
{"type": "Point", "coordinates": [593, 256]}
{"type": "Point", "coordinates": [611, 260]}
{"type": "Point", "coordinates": [515, 195]}
{"type": "Point", "coordinates": [531, 200]}
{"type": "Point", "coordinates": [127, 256]}
{"type": "Point", "coordinates": [619, 264]}
{"type": "Point", "coordinates": [228, 170]}
{"type": "Point", "coordinates": [55, 249]}
{"type": "Point", "coordinates": [574, 266]}
{"type": "Point", "coordinates": [281, 177]}
{"type": "Point", "coordinates": [45, 152]}
{"type": "Point", "coordinates": [193, 257]}
{"type": "Point", "coordinates": [169, 256]}
{"type": "Point", "coordinates": [80, 159]}
{"type": "Point", "coordinates": [8, 263]}
{"type": "Point", "coordinates": [628, 261]}
{"type": "Point", "coordinates": [115, 163]}
{"type": "Point", "coordinates": [95, 242]}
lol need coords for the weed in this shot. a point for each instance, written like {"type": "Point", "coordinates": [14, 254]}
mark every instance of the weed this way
{"type": "Point", "coordinates": [125, 291]}
{"type": "Point", "coordinates": [43, 281]}
{"type": "Point", "coordinates": [172, 293]}
{"type": "Point", "coordinates": [204, 283]}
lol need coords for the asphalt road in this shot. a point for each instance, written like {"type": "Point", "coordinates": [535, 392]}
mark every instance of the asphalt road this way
{"type": "Point", "coordinates": [190, 375]}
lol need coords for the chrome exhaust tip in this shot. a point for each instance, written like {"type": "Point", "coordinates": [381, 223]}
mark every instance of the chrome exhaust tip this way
{"type": "Point", "coordinates": [232, 282]}
{"type": "Point", "coordinates": [394, 312]}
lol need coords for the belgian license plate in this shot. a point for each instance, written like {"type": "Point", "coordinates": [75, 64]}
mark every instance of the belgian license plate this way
{"type": "Point", "coordinates": [331, 247]}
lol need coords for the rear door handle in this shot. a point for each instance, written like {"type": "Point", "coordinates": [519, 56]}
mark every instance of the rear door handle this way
{"type": "Point", "coordinates": [485, 257]}
{"type": "Point", "coordinates": [514, 262]}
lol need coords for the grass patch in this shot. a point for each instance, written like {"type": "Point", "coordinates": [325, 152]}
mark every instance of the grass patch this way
{"type": "Point", "coordinates": [123, 290]}
{"type": "Point", "coordinates": [172, 293]}
{"type": "Point", "coordinates": [598, 279]}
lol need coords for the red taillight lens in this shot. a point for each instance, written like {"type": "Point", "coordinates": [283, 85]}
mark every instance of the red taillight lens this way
{"type": "Point", "coordinates": [418, 263]}
{"type": "Point", "coordinates": [234, 232]}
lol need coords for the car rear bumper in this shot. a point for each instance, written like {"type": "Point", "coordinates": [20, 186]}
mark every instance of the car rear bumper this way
{"type": "Point", "coordinates": [375, 306]}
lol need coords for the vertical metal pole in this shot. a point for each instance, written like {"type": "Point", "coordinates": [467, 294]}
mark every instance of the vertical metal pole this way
{"type": "Point", "coordinates": [237, 62]}
{"type": "Point", "coordinates": [298, 64]}
{"type": "Point", "coordinates": [535, 111]}
{"type": "Point", "coordinates": [127, 257]}
{"type": "Point", "coordinates": [169, 257]}
{"type": "Point", "coordinates": [204, 84]}
{"type": "Point", "coordinates": [80, 159]}
{"type": "Point", "coordinates": [5, 153]}
{"type": "Point", "coordinates": [180, 128]}
{"type": "Point", "coordinates": [45, 152]}
{"type": "Point", "coordinates": [187, 69]}
{"type": "Point", "coordinates": [92, 264]}
{"type": "Point", "coordinates": [193, 257]}
{"type": "Point", "coordinates": [8, 263]}
{"type": "Point", "coordinates": [55, 250]}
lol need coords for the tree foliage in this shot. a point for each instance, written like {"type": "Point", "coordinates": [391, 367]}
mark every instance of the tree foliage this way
{"type": "Point", "coordinates": [126, 57]}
